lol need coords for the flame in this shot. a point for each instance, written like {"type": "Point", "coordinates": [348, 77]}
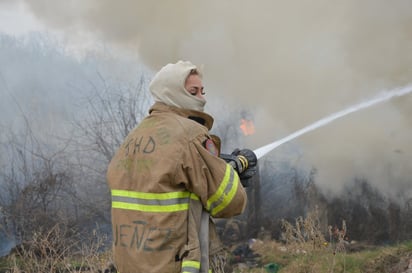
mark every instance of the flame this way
{"type": "Point", "coordinates": [247, 127]}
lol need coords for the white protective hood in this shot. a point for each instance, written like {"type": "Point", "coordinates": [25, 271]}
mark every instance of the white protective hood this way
{"type": "Point", "coordinates": [168, 86]}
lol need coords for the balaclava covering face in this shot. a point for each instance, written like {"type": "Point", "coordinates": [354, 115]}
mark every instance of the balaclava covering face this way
{"type": "Point", "coordinates": [168, 86]}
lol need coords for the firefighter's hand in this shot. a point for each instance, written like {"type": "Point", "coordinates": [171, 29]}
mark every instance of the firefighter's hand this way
{"type": "Point", "coordinates": [248, 160]}
{"type": "Point", "coordinates": [235, 161]}
{"type": "Point", "coordinates": [244, 162]}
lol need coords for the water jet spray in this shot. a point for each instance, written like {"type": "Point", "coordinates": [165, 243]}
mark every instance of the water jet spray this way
{"type": "Point", "coordinates": [262, 151]}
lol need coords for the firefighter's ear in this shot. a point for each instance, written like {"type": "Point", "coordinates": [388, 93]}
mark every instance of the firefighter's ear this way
{"type": "Point", "coordinates": [216, 140]}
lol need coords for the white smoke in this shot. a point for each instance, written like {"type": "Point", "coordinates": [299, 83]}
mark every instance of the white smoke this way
{"type": "Point", "coordinates": [295, 62]}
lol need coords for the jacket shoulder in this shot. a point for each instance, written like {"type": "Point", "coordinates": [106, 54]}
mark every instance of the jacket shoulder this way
{"type": "Point", "coordinates": [191, 129]}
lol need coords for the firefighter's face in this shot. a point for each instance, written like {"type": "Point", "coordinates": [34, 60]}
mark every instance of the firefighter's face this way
{"type": "Point", "coordinates": [194, 86]}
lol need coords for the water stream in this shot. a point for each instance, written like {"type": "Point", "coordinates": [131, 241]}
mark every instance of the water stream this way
{"type": "Point", "coordinates": [262, 151]}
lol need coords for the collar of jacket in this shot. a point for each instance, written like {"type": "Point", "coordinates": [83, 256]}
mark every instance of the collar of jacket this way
{"type": "Point", "coordinates": [200, 117]}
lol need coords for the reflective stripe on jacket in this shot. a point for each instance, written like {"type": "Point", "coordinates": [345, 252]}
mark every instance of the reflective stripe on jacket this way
{"type": "Point", "coordinates": [161, 178]}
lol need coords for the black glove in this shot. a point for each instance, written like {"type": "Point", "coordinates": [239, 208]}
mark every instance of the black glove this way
{"type": "Point", "coordinates": [235, 161]}
{"type": "Point", "coordinates": [251, 167]}
{"type": "Point", "coordinates": [244, 162]}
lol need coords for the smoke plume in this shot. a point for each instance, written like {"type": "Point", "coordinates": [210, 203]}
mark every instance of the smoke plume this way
{"type": "Point", "coordinates": [293, 62]}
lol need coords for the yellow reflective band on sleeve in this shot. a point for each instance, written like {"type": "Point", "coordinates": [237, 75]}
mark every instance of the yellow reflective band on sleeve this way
{"type": "Point", "coordinates": [190, 267]}
{"type": "Point", "coordinates": [151, 202]}
{"type": "Point", "coordinates": [225, 193]}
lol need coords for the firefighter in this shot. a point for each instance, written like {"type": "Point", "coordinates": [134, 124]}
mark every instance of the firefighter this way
{"type": "Point", "coordinates": [168, 182]}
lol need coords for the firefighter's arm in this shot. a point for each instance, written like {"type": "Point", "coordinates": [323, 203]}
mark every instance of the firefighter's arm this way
{"type": "Point", "coordinates": [215, 181]}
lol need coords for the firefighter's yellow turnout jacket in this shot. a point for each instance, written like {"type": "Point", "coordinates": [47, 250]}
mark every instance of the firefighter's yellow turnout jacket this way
{"type": "Point", "coordinates": [161, 178]}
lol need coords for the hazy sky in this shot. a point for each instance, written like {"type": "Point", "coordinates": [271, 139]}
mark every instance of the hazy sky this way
{"type": "Point", "coordinates": [16, 19]}
{"type": "Point", "coordinates": [289, 62]}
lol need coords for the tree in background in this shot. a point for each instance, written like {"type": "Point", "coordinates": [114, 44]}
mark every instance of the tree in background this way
{"type": "Point", "coordinates": [62, 119]}
{"type": "Point", "coordinates": [36, 186]}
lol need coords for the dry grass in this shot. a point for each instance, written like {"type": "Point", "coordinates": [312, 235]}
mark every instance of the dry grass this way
{"type": "Point", "coordinates": [304, 249]}
{"type": "Point", "coordinates": [59, 250]}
